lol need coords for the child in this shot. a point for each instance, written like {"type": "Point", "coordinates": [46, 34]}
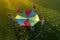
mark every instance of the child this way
{"type": "Point", "coordinates": [40, 13]}
{"type": "Point", "coordinates": [11, 20]}
{"type": "Point", "coordinates": [18, 11]}
{"type": "Point", "coordinates": [19, 29]}
{"type": "Point", "coordinates": [42, 22]}
{"type": "Point", "coordinates": [32, 30]}
{"type": "Point", "coordinates": [34, 8]}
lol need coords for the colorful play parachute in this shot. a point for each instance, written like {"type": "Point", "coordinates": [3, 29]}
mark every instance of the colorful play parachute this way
{"type": "Point", "coordinates": [28, 18]}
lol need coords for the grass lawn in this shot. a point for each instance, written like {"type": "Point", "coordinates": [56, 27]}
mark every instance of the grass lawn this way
{"type": "Point", "coordinates": [50, 31]}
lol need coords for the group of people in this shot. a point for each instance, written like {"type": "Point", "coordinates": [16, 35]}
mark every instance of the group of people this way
{"type": "Point", "coordinates": [42, 20]}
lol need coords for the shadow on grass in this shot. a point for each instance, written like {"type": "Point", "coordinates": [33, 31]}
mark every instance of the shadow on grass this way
{"type": "Point", "coordinates": [47, 32]}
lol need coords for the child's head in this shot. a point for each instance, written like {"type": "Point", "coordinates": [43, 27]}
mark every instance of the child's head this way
{"type": "Point", "coordinates": [34, 6]}
{"type": "Point", "coordinates": [18, 24]}
{"type": "Point", "coordinates": [9, 14]}
{"type": "Point", "coordinates": [18, 11]}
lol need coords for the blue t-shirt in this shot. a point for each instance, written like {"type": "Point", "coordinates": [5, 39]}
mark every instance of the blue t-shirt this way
{"type": "Point", "coordinates": [32, 29]}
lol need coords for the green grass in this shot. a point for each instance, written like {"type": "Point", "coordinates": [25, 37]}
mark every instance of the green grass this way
{"type": "Point", "coordinates": [51, 12]}
{"type": "Point", "coordinates": [50, 9]}
{"type": "Point", "coordinates": [50, 31]}
{"type": "Point", "coordinates": [6, 31]}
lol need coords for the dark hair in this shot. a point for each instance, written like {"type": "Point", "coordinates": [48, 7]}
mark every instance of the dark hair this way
{"type": "Point", "coordinates": [18, 24]}
{"type": "Point", "coordinates": [9, 14]}
{"type": "Point", "coordinates": [18, 11]}
{"type": "Point", "coordinates": [34, 6]}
